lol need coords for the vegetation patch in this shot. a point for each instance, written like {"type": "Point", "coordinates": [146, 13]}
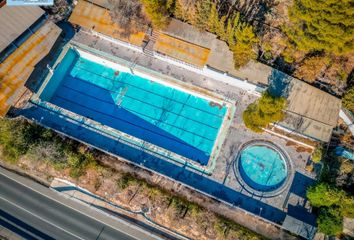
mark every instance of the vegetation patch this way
{"type": "Point", "coordinates": [348, 99]}
{"type": "Point", "coordinates": [19, 138]}
{"type": "Point", "coordinates": [332, 197]}
{"type": "Point", "coordinates": [332, 205]}
{"type": "Point", "coordinates": [266, 110]}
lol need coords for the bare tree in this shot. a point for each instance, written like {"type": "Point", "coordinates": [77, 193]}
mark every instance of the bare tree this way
{"type": "Point", "coordinates": [128, 14]}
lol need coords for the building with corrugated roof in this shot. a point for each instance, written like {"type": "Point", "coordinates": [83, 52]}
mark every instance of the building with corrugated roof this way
{"type": "Point", "coordinates": [94, 16]}
{"type": "Point", "coordinates": [26, 38]}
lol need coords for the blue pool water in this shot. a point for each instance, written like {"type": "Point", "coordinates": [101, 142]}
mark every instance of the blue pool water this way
{"type": "Point", "coordinates": [262, 167]}
{"type": "Point", "coordinates": [173, 119]}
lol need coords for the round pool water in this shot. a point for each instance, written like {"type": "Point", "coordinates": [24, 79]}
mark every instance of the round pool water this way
{"type": "Point", "coordinates": [262, 167]}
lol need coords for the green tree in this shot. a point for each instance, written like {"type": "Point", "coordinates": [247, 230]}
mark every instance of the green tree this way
{"type": "Point", "coordinates": [347, 205]}
{"type": "Point", "coordinates": [265, 110]}
{"type": "Point", "coordinates": [348, 99]}
{"type": "Point", "coordinates": [332, 204]}
{"type": "Point", "coordinates": [317, 25]}
{"type": "Point", "coordinates": [203, 10]}
{"type": "Point", "coordinates": [213, 20]}
{"type": "Point", "coordinates": [231, 30]}
{"type": "Point", "coordinates": [323, 195]}
{"type": "Point", "coordinates": [243, 50]}
{"type": "Point", "coordinates": [330, 221]}
{"type": "Point", "coordinates": [220, 30]}
{"type": "Point", "coordinates": [157, 12]}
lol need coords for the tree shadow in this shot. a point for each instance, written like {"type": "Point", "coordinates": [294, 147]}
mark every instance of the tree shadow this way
{"type": "Point", "coordinates": [279, 83]}
{"type": "Point", "coordinates": [255, 11]}
{"type": "Point", "coordinates": [41, 70]}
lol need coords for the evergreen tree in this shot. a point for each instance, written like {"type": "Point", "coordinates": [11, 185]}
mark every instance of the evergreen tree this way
{"type": "Point", "coordinates": [203, 9]}
{"type": "Point", "coordinates": [323, 195]}
{"type": "Point", "coordinates": [265, 110]}
{"type": "Point", "coordinates": [332, 204]}
{"type": "Point", "coordinates": [348, 99]}
{"type": "Point", "coordinates": [243, 49]}
{"type": "Point", "coordinates": [213, 20]}
{"type": "Point", "coordinates": [156, 11]}
{"type": "Point", "coordinates": [318, 25]}
{"type": "Point", "coordinates": [231, 30]}
{"type": "Point", "coordinates": [220, 28]}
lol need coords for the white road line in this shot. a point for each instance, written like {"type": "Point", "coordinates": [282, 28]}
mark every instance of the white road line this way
{"type": "Point", "coordinates": [47, 196]}
{"type": "Point", "coordinates": [44, 220]}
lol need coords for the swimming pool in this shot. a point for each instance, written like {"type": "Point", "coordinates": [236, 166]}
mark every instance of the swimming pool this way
{"type": "Point", "coordinates": [262, 167]}
{"type": "Point", "coordinates": [176, 120]}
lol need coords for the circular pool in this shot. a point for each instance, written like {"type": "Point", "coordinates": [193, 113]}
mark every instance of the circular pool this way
{"type": "Point", "coordinates": [262, 167]}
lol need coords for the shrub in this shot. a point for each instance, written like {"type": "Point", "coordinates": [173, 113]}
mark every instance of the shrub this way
{"type": "Point", "coordinates": [125, 181]}
{"type": "Point", "coordinates": [14, 139]}
{"type": "Point", "coordinates": [330, 221]}
{"type": "Point", "coordinates": [48, 152]}
{"type": "Point", "coordinates": [177, 203]}
{"type": "Point", "coordinates": [222, 226]}
{"type": "Point", "coordinates": [323, 195]}
{"type": "Point", "coordinates": [316, 156]}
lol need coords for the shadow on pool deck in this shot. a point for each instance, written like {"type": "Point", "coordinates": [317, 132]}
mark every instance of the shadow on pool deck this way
{"type": "Point", "coordinates": [179, 173]}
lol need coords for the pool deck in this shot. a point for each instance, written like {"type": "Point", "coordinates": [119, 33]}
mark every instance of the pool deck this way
{"type": "Point", "coordinates": [221, 184]}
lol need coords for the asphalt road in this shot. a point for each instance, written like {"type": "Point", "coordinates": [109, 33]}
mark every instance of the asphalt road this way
{"type": "Point", "coordinates": [36, 211]}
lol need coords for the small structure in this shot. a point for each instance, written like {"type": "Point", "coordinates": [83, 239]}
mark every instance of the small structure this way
{"type": "Point", "coordinates": [300, 222]}
{"type": "Point", "coordinates": [310, 111]}
{"type": "Point", "coordinates": [95, 16]}
{"type": "Point", "coordinates": [27, 40]}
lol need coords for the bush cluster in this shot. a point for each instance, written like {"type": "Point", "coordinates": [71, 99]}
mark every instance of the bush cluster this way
{"type": "Point", "coordinates": [20, 138]}
{"type": "Point", "coordinates": [332, 204]}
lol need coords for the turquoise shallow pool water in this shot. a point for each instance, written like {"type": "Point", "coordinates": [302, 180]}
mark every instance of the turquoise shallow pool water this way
{"type": "Point", "coordinates": [173, 119]}
{"type": "Point", "coordinates": [262, 167]}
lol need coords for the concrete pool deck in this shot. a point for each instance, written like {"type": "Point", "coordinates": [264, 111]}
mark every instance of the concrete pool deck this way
{"type": "Point", "coordinates": [221, 184]}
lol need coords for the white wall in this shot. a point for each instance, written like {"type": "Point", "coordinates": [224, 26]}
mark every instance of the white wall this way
{"type": "Point", "coordinates": [208, 72]}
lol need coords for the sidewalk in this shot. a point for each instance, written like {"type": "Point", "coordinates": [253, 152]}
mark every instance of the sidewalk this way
{"type": "Point", "coordinates": [347, 121]}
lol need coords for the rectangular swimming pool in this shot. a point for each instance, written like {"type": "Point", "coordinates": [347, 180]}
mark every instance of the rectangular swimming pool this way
{"type": "Point", "coordinates": [176, 120]}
